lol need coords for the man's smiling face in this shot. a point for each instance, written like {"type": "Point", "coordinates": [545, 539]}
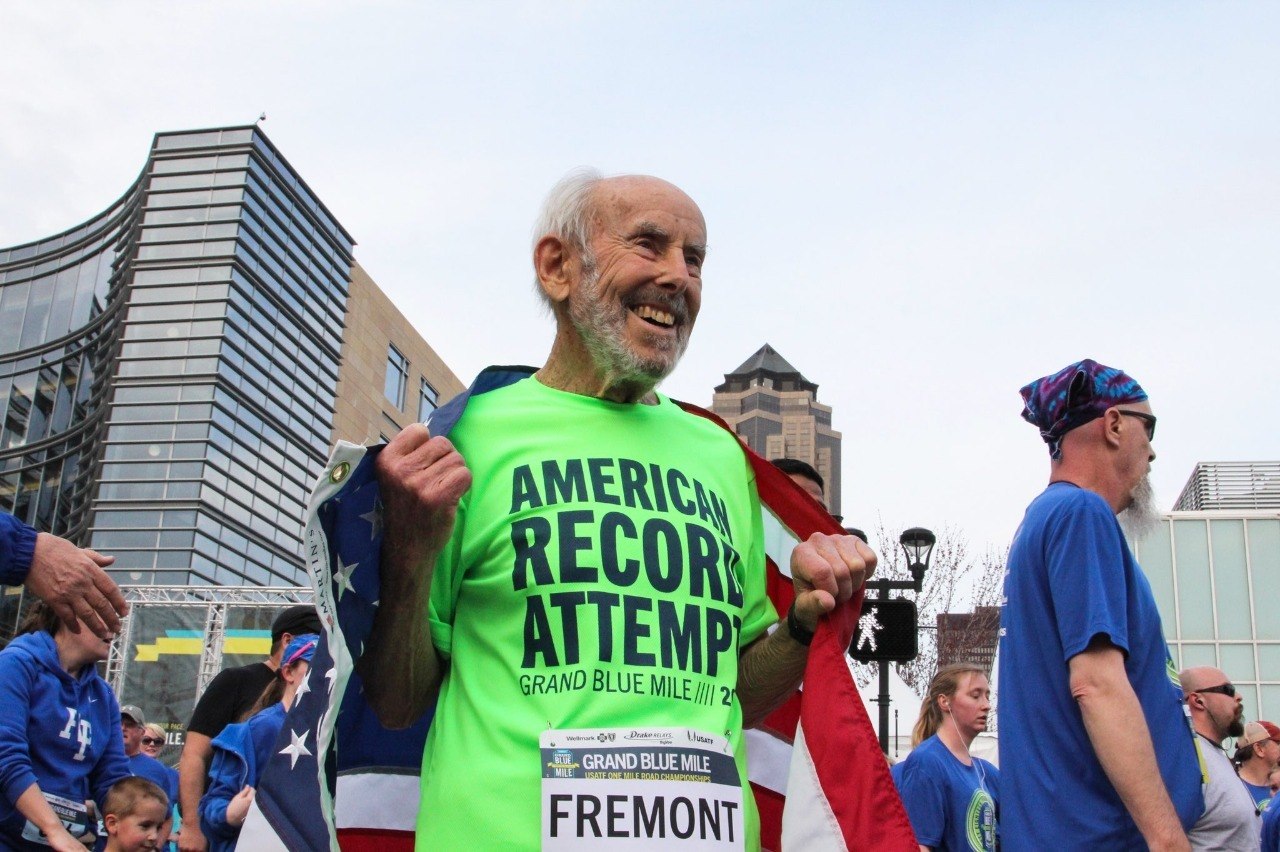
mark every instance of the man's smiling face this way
{"type": "Point", "coordinates": [641, 283]}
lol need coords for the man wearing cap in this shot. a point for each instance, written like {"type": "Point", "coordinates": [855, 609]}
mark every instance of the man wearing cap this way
{"type": "Point", "coordinates": [1258, 755]}
{"type": "Point", "coordinates": [226, 700]}
{"type": "Point", "coordinates": [133, 726]}
{"type": "Point", "coordinates": [1230, 818]}
{"type": "Point", "coordinates": [1095, 748]}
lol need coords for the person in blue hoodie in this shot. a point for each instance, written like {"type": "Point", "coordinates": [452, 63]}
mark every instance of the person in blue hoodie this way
{"type": "Point", "coordinates": [242, 750]}
{"type": "Point", "coordinates": [60, 737]}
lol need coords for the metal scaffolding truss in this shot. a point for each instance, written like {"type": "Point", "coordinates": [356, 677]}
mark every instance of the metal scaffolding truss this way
{"type": "Point", "coordinates": [215, 600]}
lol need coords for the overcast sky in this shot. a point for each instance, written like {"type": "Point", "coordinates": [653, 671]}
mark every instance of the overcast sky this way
{"type": "Point", "coordinates": [921, 205]}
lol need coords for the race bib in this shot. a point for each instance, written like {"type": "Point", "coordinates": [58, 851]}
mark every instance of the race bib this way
{"type": "Point", "coordinates": [74, 816]}
{"type": "Point", "coordinates": [639, 789]}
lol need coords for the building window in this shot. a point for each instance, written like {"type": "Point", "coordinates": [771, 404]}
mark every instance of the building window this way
{"type": "Point", "coordinates": [427, 398]}
{"type": "Point", "coordinates": [397, 376]}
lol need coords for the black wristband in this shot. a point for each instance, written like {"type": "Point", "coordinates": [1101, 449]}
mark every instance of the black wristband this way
{"type": "Point", "coordinates": [798, 631]}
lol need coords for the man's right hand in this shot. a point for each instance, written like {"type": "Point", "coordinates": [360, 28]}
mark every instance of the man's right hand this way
{"type": "Point", "coordinates": [421, 479]}
{"type": "Point", "coordinates": [189, 838]}
{"type": "Point", "coordinates": [70, 579]}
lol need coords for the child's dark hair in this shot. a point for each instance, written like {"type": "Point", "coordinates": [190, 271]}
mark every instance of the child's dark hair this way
{"type": "Point", "coordinates": [125, 795]}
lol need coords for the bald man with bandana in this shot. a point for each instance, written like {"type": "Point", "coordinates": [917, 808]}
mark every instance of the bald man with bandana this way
{"type": "Point", "coordinates": [1095, 748]}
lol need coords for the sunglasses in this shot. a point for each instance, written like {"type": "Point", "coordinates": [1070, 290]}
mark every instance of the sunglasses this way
{"type": "Point", "coordinates": [1227, 689]}
{"type": "Point", "coordinates": [152, 741]}
{"type": "Point", "coordinates": [1149, 420]}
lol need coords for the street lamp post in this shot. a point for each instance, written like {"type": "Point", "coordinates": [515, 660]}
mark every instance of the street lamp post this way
{"type": "Point", "coordinates": [917, 543]}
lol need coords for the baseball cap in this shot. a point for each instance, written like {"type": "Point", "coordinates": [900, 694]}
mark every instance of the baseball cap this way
{"type": "Point", "coordinates": [295, 621]}
{"type": "Point", "coordinates": [300, 648]}
{"type": "Point", "coordinates": [133, 713]}
{"type": "Point", "coordinates": [1256, 732]}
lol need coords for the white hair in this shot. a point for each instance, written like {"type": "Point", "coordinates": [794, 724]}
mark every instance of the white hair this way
{"type": "Point", "coordinates": [566, 215]}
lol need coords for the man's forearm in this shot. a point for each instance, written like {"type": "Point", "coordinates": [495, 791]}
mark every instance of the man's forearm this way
{"type": "Point", "coordinates": [1118, 731]}
{"type": "Point", "coordinates": [769, 670]}
{"type": "Point", "coordinates": [193, 768]}
{"type": "Point", "coordinates": [400, 667]}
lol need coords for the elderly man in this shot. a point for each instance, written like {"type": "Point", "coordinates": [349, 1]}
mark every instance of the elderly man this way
{"type": "Point", "coordinates": [1095, 750]}
{"type": "Point", "coordinates": [581, 563]}
{"type": "Point", "coordinates": [1230, 819]}
{"type": "Point", "coordinates": [1258, 756]}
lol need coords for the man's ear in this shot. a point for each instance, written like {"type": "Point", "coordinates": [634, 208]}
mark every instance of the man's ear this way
{"type": "Point", "coordinates": [1112, 423]}
{"type": "Point", "coordinates": [555, 265]}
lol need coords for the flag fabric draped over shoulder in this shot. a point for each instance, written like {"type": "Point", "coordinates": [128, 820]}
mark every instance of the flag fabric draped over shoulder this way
{"type": "Point", "coordinates": [338, 780]}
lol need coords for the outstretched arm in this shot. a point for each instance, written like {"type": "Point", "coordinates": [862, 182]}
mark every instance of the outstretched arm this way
{"type": "Point", "coordinates": [421, 480]}
{"type": "Point", "coordinates": [826, 570]}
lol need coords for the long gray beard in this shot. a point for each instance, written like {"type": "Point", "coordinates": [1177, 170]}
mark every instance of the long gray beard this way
{"type": "Point", "coordinates": [1142, 516]}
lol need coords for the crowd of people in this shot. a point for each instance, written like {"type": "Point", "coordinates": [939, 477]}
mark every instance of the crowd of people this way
{"type": "Point", "coordinates": [574, 513]}
{"type": "Point", "coordinates": [79, 770]}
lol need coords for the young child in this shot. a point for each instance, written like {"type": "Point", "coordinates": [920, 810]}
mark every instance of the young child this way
{"type": "Point", "coordinates": [135, 814]}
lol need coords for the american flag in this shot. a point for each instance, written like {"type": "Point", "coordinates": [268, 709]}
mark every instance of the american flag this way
{"type": "Point", "coordinates": [338, 780]}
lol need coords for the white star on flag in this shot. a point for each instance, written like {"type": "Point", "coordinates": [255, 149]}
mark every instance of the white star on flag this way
{"type": "Point", "coordinates": [332, 677]}
{"type": "Point", "coordinates": [374, 517]}
{"type": "Point", "coordinates": [342, 577]}
{"type": "Point", "coordinates": [297, 748]}
{"type": "Point", "coordinates": [303, 688]}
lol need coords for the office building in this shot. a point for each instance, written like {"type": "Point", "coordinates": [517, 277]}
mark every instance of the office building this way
{"type": "Point", "coordinates": [969, 637]}
{"type": "Point", "coordinates": [1214, 566]}
{"type": "Point", "coordinates": [775, 410]}
{"type": "Point", "coordinates": [174, 371]}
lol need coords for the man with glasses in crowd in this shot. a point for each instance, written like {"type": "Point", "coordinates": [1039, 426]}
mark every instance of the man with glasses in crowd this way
{"type": "Point", "coordinates": [1230, 818]}
{"type": "Point", "coordinates": [1095, 749]}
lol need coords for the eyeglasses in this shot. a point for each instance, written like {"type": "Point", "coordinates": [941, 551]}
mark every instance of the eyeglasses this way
{"type": "Point", "coordinates": [1227, 689]}
{"type": "Point", "coordinates": [152, 741]}
{"type": "Point", "coordinates": [1148, 419]}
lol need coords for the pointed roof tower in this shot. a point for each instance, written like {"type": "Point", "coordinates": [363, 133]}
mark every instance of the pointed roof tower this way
{"type": "Point", "coordinates": [766, 364]}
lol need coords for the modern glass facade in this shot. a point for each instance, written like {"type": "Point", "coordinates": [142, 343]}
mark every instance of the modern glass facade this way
{"type": "Point", "coordinates": [1215, 576]}
{"type": "Point", "coordinates": [168, 369]}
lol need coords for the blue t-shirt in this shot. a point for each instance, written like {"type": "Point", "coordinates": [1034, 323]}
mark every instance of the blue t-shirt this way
{"type": "Point", "coordinates": [1072, 577]}
{"type": "Point", "coordinates": [951, 806]}
{"type": "Point", "coordinates": [1261, 794]}
{"type": "Point", "coordinates": [1271, 829]}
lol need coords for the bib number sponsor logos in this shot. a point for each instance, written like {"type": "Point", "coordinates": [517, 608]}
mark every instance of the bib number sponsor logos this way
{"type": "Point", "coordinates": [74, 816]}
{"type": "Point", "coordinates": [639, 789]}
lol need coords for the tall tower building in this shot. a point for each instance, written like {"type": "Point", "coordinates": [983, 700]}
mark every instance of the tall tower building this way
{"type": "Point", "coordinates": [174, 370]}
{"type": "Point", "coordinates": [775, 410]}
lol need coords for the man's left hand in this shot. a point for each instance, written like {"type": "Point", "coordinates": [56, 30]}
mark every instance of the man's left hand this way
{"type": "Point", "coordinates": [826, 570]}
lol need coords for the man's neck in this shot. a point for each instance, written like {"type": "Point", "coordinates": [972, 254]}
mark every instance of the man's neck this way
{"type": "Point", "coordinates": [1203, 730]}
{"type": "Point", "coordinates": [1255, 772]}
{"type": "Point", "coordinates": [579, 375]}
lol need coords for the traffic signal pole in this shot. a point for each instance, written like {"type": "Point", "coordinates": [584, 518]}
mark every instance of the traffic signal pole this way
{"type": "Point", "coordinates": [883, 587]}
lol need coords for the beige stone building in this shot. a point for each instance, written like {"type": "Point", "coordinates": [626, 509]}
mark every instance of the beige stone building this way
{"type": "Point", "coordinates": [389, 376]}
{"type": "Point", "coordinates": [775, 410]}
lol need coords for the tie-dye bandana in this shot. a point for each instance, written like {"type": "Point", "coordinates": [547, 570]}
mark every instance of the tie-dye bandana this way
{"type": "Point", "coordinates": [1073, 396]}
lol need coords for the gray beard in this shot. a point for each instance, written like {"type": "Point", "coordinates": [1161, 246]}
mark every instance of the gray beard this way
{"type": "Point", "coordinates": [601, 326]}
{"type": "Point", "coordinates": [1142, 515]}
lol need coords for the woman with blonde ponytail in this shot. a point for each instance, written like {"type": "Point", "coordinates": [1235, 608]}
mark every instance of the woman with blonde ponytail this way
{"type": "Point", "coordinates": [950, 795]}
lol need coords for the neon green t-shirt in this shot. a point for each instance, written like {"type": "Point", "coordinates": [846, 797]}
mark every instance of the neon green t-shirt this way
{"type": "Point", "coordinates": [605, 569]}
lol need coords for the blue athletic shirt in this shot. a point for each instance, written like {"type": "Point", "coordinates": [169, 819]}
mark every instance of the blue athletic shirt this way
{"type": "Point", "coordinates": [1261, 794]}
{"type": "Point", "coordinates": [1271, 829]}
{"type": "Point", "coordinates": [951, 806]}
{"type": "Point", "coordinates": [1072, 577]}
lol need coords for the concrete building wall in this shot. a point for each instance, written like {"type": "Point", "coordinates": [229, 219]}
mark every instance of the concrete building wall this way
{"type": "Point", "coordinates": [363, 413]}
